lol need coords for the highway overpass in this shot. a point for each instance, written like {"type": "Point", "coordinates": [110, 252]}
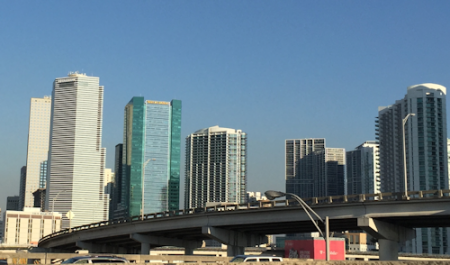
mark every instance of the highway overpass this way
{"type": "Point", "coordinates": [387, 216]}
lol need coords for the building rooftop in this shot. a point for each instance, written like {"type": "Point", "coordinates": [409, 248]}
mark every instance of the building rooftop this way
{"type": "Point", "coordinates": [429, 86]}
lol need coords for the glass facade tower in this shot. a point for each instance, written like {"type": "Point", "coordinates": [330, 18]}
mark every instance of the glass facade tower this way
{"type": "Point", "coordinates": [151, 156]}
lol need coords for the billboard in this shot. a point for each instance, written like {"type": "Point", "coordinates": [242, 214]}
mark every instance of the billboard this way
{"type": "Point", "coordinates": [314, 248]}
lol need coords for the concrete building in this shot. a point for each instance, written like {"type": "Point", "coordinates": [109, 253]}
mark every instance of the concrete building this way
{"type": "Point", "coordinates": [151, 156]}
{"type": "Point", "coordinates": [37, 151]}
{"type": "Point", "coordinates": [25, 228]}
{"type": "Point", "coordinates": [296, 149]}
{"type": "Point", "coordinates": [216, 161]}
{"type": "Point", "coordinates": [363, 169]}
{"type": "Point", "coordinates": [76, 160]}
{"type": "Point", "coordinates": [426, 153]}
{"type": "Point", "coordinates": [357, 241]}
{"type": "Point", "coordinates": [13, 203]}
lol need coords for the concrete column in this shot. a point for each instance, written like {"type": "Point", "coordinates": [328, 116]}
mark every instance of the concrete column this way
{"type": "Point", "coordinates": [388, 249]}
{"type": "Point", "coordinates": [145, 248]}
{"type": "Point", "coordinates": [189, 250]}
{"type": "Point", "coordinates": [147, 240]}
{"type": "Point", "coordinates": [235, 250]}
{"type": "Point", "coordinates": [236, 241]}
{"type": "Point", "coordinates": [389, 236]}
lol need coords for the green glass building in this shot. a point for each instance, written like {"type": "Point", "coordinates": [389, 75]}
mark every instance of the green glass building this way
{"type": "Point", "coordinates": [151, 156]}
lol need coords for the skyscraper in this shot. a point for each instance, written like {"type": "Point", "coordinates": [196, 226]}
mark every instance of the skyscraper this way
{"type": "Point", "coordinates": [37, 151]}
{"type": "Point", "coordinates": [426, 152]}
{"type": "Point", "coordinates": [76, 160]}
{"type": "Point", "coordinates": [215, 166]}
{"type": "Point", "coordinates": [363, 170]}
{"type": "Point", "coordinates": [296, 149]}
{"type": "Point", "coordinates": [312, 169]}
{"type": "Point", "coordinates": [116, 198]}
{"type": "Point", "coordinates": [151, 156]}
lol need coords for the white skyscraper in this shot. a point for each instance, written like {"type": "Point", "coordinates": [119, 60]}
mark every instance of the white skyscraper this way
{"type": "Point", "coordinates": [76, 159]}
{"type": "Point", "coordinates": [215, 166]}
{"type": "Point", "coordinates": [426, 153]}
{"type": "Point", "coordinates": [38, 137]}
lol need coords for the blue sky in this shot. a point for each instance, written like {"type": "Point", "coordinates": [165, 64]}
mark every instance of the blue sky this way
{"type": "Point", "coordinates": [275, 69]}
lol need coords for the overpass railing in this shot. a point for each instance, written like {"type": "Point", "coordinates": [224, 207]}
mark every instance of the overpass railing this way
{"type": "Point", "coordinates": [358, 198]}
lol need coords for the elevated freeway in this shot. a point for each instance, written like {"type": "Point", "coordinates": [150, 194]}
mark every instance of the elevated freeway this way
{"type": "Point", "coordinates": [387, 216]}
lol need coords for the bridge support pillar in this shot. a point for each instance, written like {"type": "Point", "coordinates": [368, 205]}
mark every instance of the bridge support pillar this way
{"type": "Point", "coordinates": [145, 248]}
{"type": "Point", "coordinates": [388, 249]}
{"type": "Point", "coordinates": [148, 240]}
{"type": "Point", "coordinates": [388, 235]}
{"type": "Point", "coordinates": [235, 241]}
{"type": "Point", "coordinates": [235, 250]}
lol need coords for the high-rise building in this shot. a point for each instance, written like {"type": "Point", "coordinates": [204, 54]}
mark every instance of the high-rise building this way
{"type": "Point", "coordinates": [215, 166]}
{"type": "Point", "coordinates": [76, 160]}
{"type": "Point", "coordinates": [116, 196]}
{"type": "Point", "coordinates": [296, 149]}
{"type": "Point", "coordinates": [363, 169]}
{"type": "Point", "coordinates": [312, 170]}
{"type": "Point", "coordinates": [425, 135]}
{"type": "Point", "coordinates": [37, 151]}
{"type": "Point", "coordinates": [13, 203]}
{"type": "Point", "coordinates": [22, 187]}
{"type": "Point", "coordinates": [151, 156]}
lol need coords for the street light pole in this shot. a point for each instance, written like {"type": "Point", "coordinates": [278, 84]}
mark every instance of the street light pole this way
{"type": "Point", "coordinates": [404, 154]}
{"type": "Point", "coordinates": [143, 182]}
{"type": "Point", "coordinates": [53, 209]}
{"type": "Point", "coordinates": [271, 194]}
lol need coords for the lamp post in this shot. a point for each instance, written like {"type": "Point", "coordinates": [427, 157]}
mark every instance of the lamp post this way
{"type": "Point", "coordinates": [53, 209]}
{"type": "Point", "coordinates": [271, 194]}
{"type": "Point", "coordinates": [404, 154]}
{"type": "Point", "coordinates": [143, 179]}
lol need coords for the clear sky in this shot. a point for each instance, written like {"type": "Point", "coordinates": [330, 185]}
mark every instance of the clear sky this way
{"type": "Point", "coordinates": [275, 69]}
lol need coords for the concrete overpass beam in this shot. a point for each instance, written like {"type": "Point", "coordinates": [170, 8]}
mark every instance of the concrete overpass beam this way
{"type": "Point", "coordinates": [236, 241]}
{"type": "Point", "coordinates": [92, 248]}
{"type": "Point", "coordinates": [148, 240]}
{"type": "Point", "coordinates": [388, 235]}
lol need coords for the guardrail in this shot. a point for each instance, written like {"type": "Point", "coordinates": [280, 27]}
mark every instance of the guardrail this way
{"type": "Point", "coordinates": [360, 198]}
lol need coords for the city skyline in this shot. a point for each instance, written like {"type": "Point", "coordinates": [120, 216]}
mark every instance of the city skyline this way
{"type": "Point", "coordinates": [275, 70]}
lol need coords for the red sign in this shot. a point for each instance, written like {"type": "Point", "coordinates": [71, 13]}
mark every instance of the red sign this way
{"type": "Point", "coordinates": [314, 249]}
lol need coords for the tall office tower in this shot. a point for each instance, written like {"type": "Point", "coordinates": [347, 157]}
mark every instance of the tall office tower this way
{"type": "Point", "coordinates": [37, 151]}
{"type": "Point", "coordinates": [215, 166]}
{"type": "Point", "coordinates": [363, 169]}
{"type": "Point", "coordinates": [321, 173]}
{"type": "Point", "coordinates": [151, 155]}
{"type": "Point", "coordinates": [116, 196]}
{"type": "Point", "coordinates": [426, 152]}
{"type": "Point", "coordinates": [76, 160]}
{"type": "Point", "coordinates": [295, 150]}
